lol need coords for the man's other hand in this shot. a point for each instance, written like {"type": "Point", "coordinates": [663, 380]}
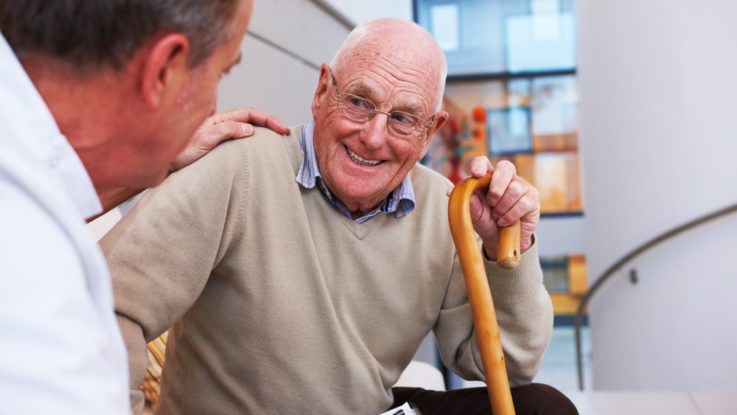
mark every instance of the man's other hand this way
{"type": "Point", "coordinates": [509, 198]}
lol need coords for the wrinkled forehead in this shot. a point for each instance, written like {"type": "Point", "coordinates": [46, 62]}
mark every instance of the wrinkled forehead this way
{"type": "Point", "coordinates": [399, 76]}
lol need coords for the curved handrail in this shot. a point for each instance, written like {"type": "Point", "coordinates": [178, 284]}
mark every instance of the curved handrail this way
{"type": "Point", "coordinates": [627, 258]}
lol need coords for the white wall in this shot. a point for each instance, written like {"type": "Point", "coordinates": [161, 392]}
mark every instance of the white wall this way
{"type": "Point", "coordinates": [658, 90]}
{"type": "Point", "coordinates": [360, 11]}
{"type": "Point", "coordinates": [286, 43]}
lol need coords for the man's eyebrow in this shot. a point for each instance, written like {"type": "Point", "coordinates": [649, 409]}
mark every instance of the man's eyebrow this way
{"type": "Point", "coordinates": [363, 90]}
{"type": "Point", "coordinates": [413, 108]}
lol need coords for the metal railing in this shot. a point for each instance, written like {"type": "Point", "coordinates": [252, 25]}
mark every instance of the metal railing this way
{"type": "Point", "coordinates": [606, 275]}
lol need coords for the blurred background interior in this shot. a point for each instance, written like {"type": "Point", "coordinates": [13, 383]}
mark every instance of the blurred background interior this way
{"type": "Point", "coordinates": [623, 114]}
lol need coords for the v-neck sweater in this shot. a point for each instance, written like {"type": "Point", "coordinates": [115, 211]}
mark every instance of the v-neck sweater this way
{"type": "Point", "coordinates": [278, 303]}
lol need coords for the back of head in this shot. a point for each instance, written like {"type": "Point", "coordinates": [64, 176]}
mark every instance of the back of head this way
{"type": "Point", "coordinates": [103, 34]}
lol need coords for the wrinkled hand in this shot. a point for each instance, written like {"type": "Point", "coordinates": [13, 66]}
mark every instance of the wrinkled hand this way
{"type": "Point", "coordinates": [225, 126]}
{"type": "Point", "coordinates": [508, 199]}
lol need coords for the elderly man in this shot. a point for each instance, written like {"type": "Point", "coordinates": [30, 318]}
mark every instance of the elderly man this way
{"type": "Point", "coordinates": [300, 276]}
{"type": "Point", "coordinates": [96, 100]}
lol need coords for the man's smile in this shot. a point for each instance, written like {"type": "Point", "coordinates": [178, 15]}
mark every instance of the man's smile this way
{"type": "Point", "coordinates": [360, 160]}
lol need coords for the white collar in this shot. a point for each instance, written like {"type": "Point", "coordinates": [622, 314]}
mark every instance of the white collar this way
{"type": "Point", "coordinates": [44, 140]}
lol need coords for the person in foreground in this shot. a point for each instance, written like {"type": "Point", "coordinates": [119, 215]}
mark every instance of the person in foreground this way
{"type": "Point", "coordinates": [301, 276]}
{"type": "Point", "coordinates": [96, 103]}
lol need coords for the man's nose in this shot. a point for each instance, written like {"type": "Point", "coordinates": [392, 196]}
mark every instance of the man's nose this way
{"type": "Point", "coordinates": [375, 133]}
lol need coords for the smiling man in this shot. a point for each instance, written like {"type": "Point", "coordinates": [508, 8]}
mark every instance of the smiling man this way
{"type": "Point", "coordinates": [300, 276]}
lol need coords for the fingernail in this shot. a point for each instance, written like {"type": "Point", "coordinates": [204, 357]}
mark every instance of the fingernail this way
{"type": "Point", "coordinates": [247, 129]}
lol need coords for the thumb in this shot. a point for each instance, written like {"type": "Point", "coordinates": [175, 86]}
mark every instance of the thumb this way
{"type": "Point", "coordinates": [231, 129]}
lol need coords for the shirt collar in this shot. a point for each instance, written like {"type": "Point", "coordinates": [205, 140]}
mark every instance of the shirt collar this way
{"type": "Point", "coordinates": [46, 142]}
{"type": "Point", "coordinates": [401, 201]}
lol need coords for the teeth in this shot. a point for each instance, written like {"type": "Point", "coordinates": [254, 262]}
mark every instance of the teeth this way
{"type": "Point", "coordinates": [360, 160]}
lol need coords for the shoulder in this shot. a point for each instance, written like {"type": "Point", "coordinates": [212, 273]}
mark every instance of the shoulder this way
{"type": "Point", "coordinates": [30, 232]}
{"type": "Point", "coordinates": [235, 168]}
{"type": "Point", "coordinates": [34, 199]}
{"type": "Point", "coordinates": [264, 145]}
{"type": "Point", "coordinates": [428, 183]}
{"type": "Point", "coordinates": [430, 190]}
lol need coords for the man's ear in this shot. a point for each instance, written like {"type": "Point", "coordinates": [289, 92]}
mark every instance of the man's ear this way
{"type": "Point", "coordinates": [440, 118]}
{"type": "Point", "coordinates": [164, 68]}
{"type": "Point", "coordinates": [323, 86]}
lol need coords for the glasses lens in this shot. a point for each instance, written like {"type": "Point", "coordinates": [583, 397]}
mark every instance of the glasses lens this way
{"type": "Point", "coordinates": [357, 108]}
{"type": "Point", "coordinates": [403, 123]}
{"type": "Point", "coordinates": [361, 110]}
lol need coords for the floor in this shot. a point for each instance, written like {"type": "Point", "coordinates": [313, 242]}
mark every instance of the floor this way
{"type": "Point", "coordinates": [559, 370]}
{"type": "Point", "coordinates": [654, 403]}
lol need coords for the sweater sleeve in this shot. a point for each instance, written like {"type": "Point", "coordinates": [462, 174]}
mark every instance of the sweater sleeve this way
{"type": "Point", "coordinates": [161, 253]}
{"type": "Point", "coordinates": [524, 313]}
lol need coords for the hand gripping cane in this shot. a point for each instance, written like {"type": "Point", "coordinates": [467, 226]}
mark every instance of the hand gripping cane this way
{"type": "Point", "coordinates": [479, 294]}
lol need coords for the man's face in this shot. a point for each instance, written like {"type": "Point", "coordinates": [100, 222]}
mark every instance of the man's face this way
{"type": "Point", "coordinates": [196, 99]}
{"type": "Point", "coordinates": [362, 163]}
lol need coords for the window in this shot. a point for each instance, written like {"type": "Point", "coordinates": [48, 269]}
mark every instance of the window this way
{"type": "Point", "coordinates": [494, 36]}
{"type": "Point", "coordinates": [511, 91]}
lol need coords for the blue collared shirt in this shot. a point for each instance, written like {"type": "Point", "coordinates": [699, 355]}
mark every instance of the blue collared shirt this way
{"type": "Point", "coordinates": [401, 201]}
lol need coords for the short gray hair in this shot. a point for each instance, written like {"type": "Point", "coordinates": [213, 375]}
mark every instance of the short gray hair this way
{"type": "Point", "coordinates": [96, 34]}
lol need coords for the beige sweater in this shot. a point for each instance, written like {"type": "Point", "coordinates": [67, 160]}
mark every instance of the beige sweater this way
{"type": "Point", "coordinates": [282, 305]}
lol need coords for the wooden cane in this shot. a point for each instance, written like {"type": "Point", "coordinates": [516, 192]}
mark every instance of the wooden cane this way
{"type": "Point", "coordinates": [479, 294]}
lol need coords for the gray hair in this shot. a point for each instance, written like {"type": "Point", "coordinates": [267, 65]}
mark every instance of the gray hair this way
{"type": "Point", "coordinates": [97, 34]}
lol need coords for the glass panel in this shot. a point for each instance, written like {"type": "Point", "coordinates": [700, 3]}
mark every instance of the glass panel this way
{"type": "Point", "coordinates": [492, 36]}
{"type": "Point", "coordinates": [445, 26]}
{"type": "Point", "coordinates": [554, 114]}
{"type": "Point", "coordinates": [540, 42]}
{"type": "Point", "coordinates": [555, 273]}
{"type": "Point", "coordinates": [509, 130]}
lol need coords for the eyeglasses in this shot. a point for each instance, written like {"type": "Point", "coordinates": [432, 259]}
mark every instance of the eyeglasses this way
{"type": "Point", "coordinates": [361, 110]}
